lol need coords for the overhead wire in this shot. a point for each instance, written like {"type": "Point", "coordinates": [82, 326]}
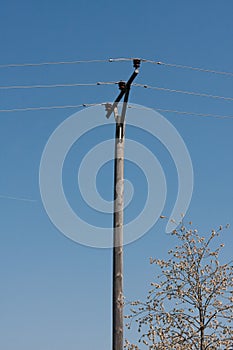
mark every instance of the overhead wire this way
{"type": "Point", "coordinates": [12, 65]}
{"type": "Point", "coordinates": [46, 108]}
{"type": "Point", "coordinates": [111, 83]}
{"type": "Point", "coordinates": [183, 112]}
{"type": "Point", "coordinates": [43, 108]}
{"type": "Point", "coordinates": [118, 59]}
{"type": "Point", "coordinates": [182, 92]}
{"type": "Point", "coordinates": [188, 67]}
{"type": "Point", "coordinates": [18, 198]}
{"type": "Point", "coordinates": [50, 86]}
{"type": "Point", "coordinates": [174, 65]}
{"type": "Point", "coordinates": [45, 86]}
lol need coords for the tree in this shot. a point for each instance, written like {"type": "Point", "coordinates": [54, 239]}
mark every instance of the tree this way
{"type": "Point", "coordinates": [190, 306]}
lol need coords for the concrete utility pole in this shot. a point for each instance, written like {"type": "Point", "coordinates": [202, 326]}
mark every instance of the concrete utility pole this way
{"type": "Point", "coordinates": [118, 302]}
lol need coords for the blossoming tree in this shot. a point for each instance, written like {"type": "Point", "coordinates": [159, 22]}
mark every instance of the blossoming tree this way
{"type": "Point", "coordinates": [190, 305]}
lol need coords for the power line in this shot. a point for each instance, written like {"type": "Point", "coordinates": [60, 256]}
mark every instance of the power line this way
{"type": "Point", "coordinates": [46, 108]}
{"type": "Point", "coordinates": [50, 86]}
{"type": "Point", "coordinates": [120, 59]}
{"type": "Point", "coordinates": [181, 66]}
{"type": "Point", "coordinates": [11, 65]}
{"type": "Point", "coordinates": [43, 108]}
{"type": "Point", "coordinates": [184, 112]}
{"type": "Point", "coordinates": [18, 198]}
{"type": "Point", "coordinates": [188, 67]}
{"type": "Point", "coordinates": [183, 92]}
{"type": "Point", "coordinates": [53, 85]}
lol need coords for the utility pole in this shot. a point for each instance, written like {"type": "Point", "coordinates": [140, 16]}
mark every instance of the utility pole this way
{"type": "Point", "coordinates": [118, 223]}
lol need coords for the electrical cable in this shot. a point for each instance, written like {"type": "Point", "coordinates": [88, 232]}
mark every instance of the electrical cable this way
{"type": "Point", "coordinates": [11, 65]}
{"type": "Point", "coordinates": [53, 85]}
{"type": "Point", "coordinates": [206, 70]}
{"type": "Point", "coordinates": [183, 112]}
{"type": "Point", "coordinates": [183, 92]}
{"type": "Point", "coordinates": [18, 198]}
{"type": "Point", "coordinates": [48, 107]}
{"type": "Point", "coordinates": [15, 87]}
{"type": "Point", "coordinates": [104, 103]}
{"type": "Point", "coordinates": [120, 59]}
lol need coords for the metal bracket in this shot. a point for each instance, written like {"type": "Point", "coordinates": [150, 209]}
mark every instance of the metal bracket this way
{"type": "Point", "coordinates": [124, 88]}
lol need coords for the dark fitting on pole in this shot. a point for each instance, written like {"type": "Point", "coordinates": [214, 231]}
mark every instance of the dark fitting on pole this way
{"type": "Point", "coordinates": [125, 87]}
{"type": "Point", "coordinates": [136, 63]}
{"type": "Point", "coordinates": [122, 85]}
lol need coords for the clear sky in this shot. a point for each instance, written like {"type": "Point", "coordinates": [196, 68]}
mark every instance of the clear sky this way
{"type": "Point", "coordinates": [56, 294]}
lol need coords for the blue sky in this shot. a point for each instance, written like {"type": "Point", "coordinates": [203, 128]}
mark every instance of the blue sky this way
{"type": "Point", "coordinates": [56, 294]}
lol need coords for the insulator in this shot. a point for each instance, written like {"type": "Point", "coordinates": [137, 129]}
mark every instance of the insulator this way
{"type": "Point", "coordinates": [121, 85]}
{"type": "Point", "coordinates": [108, 107]}
{"type": "Point", "coordinates": [136, 63]}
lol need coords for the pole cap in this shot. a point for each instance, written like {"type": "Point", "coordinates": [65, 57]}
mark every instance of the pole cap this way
{"type": "Point", "coordinates": [136, 63]}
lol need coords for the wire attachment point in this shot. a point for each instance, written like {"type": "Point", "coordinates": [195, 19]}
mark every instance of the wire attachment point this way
{"type": "Point", "coordinates": [122, 85]}
{"type": "Point", "coordinates": [136, 63]}
{"type": "Point", "coordinates": [108, 107]}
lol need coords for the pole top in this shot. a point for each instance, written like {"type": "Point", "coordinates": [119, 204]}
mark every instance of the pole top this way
{"type": "Point", "coordinates": [136, 63]}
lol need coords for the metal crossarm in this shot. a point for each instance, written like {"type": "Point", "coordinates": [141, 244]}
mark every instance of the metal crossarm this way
{"type": "Point", "coordinates": [124, 87]}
